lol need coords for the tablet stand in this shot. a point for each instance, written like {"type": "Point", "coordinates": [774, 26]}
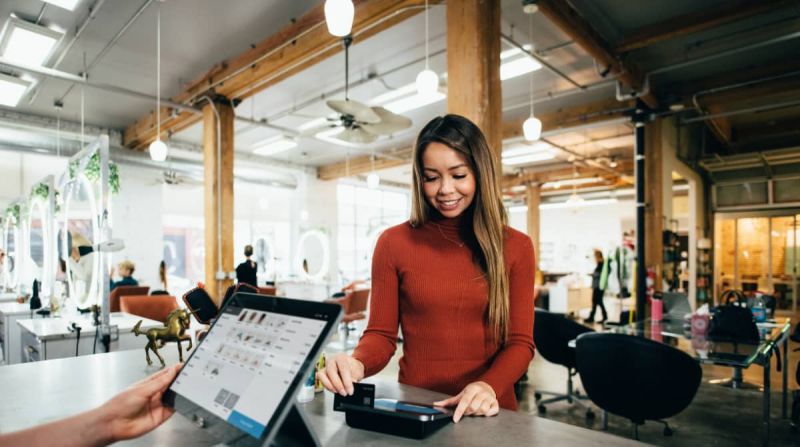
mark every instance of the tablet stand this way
{"type": "Point", "coordinates": [295, 431]}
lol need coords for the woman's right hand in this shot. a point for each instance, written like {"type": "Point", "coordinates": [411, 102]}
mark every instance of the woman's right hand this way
{"type": "Point", "coordinates": [340, 372]}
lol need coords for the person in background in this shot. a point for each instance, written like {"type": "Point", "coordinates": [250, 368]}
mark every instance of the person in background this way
{"type": "Point", "coordinates": [130, 414]}
{"type": "Point", "coordinates": [246, 271]}
{"type": "Point", "coordinates": [126, 269]}
{"type": "Point", "coordinates": [598, 287]}
{"type": "Point", "coordinates": [163, 286]}
{"type": "Point", "coordinates": [455, 277]}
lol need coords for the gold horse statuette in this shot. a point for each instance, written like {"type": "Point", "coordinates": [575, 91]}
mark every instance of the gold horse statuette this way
{"type": "Point", "coordinates": [174, 330]}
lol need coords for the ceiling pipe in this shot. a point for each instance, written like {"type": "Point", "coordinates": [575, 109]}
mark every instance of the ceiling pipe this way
{"type": "Point", "coordinates": [111, 43]}
{"type": "Point", "coordinates": [761, 108]}
{"type": "Point", "coordinates": [507, 39]}
{"type": "Point", "coordinates": [75, 79]}
{"type": "Point", "coordinates": [126, 157]}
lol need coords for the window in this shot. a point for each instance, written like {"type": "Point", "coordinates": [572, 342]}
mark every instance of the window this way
{"type": "Point", "coordinates": [363, 215]}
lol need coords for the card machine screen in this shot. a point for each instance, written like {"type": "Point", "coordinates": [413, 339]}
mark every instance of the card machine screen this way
{"type": "Point", "coordinates": [246, 364]}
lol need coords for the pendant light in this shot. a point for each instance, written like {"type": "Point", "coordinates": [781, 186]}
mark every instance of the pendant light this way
{"type": "Point", "coordinates": [427, 79]}
{"type": "Point", "coordinates": [532, 127]}
{"type": "Point", "coordinates": [158, 149]}
{"type": "Point", "coordinates": [339, 16]}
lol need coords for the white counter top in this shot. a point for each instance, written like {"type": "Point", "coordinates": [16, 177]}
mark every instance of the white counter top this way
{"type": "Point", "coordinates": [14, 308]}
{"type": "Point", "coordinates": [56, 328]}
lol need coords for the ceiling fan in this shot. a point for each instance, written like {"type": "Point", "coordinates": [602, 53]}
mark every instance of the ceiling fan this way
{"type": "Point", "coordinates": [361, 123]}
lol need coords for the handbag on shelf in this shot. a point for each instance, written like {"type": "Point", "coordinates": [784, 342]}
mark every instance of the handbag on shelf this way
{"type": "Point", "coordinates": [733, 321]}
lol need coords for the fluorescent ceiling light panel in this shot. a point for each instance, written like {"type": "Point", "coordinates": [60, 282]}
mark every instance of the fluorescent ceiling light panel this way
{"type": "Point", "coordinates": [27, 43]}
{"type": "Point", "coordinates": [316, 122]}
{"type": "Point", "coordinates": [12, 90]}
{"type": "Point", "coordinates": [66, 4]}
{"type": "Point", "coordinates": [529, 159]}
{"type": "Point", "coordinates": [513, 52]}
{"type": "Point", "coordinates": [518, 67]}
{"type": "Point", "coordinates": [274, 146]}
{"type": "Point", "coordinates": [557, 205]}
{"type": "Point", "coordinates": [525, 149]}
{"type": "Point", "coordinates": [413, 102]}
{"type": "Point", "coordinates": [571, 182]}
{"type": "Point", "coordinates": [383, 98]}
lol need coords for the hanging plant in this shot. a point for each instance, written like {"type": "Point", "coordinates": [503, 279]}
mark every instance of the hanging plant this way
{"type": "Point", "coordinates": [42, 190]}
{"type": "Point", "coordinates": [92, 172]}
{"type": "Point", "coordinates": [14, 211]}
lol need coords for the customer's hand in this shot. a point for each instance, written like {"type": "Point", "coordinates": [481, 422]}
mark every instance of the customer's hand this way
{"type": "Point", "coordinates": [340, 372]}
{"type": "Point", "coordinates": [138, 409]}
{"type": "Point", "coordinates": [76, 255]}
{"type": "Point", "coordinates": [476, 399]}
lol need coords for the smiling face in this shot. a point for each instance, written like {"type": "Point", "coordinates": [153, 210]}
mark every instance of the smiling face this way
{"type": "Point", "coordinates": [448, 180]}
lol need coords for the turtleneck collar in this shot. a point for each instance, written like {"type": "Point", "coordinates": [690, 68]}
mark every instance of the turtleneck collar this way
{"type": "Point", "coordinates": [452, 225]}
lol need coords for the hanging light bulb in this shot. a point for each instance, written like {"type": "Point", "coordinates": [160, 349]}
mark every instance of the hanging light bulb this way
{"type": "Point", "coordinates": [427, 79]}
{"type": "Point", "coordinates": [373, 181]}
{"type": "Point", "coordinates": [532, 127]}
{"type": "Point", "coordinates": [158, 149]}
{"type": "Point", "coordinates": [427, 83]}
{"type": "Point", "coordinates": [339, 16]}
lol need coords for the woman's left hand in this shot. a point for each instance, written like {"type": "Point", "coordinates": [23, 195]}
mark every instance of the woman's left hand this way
{"type": "Point", "coordinates": [476, 399]}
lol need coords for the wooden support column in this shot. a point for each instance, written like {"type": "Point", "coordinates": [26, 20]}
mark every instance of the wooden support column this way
{"type": "Point", "coordinates": [218, 187]}
{"type": "Point", "coordinates": [533, 199]}
{"type": "Point", "coordinates": [473, 66]}
{"type": "Point", "coordinates": [654, 197]}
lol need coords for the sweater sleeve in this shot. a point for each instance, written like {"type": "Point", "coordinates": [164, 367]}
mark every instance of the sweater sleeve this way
{"type": "Point", "coordinates": [513, 359]}
{"type": "Point", "coordinates": [379, 341]}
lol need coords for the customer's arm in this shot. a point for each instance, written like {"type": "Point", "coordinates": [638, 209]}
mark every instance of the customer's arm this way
{"type": "Point", "coordinates": [129, 414]}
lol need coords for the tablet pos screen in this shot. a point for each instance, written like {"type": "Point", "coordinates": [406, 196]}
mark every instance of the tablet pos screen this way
{"type": "Point", "coordinates": [247, 368]}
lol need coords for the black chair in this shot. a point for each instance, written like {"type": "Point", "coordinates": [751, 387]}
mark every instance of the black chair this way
{"type": "Point", "coordinates": [636, 378]}
{"type": "Point", "coordinates": [551, 335]}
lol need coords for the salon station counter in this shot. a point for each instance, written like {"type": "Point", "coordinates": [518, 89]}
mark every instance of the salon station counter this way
{"type": "Point", "coordinates": [10, 312]}
{"type": "Point", "coordinates": [51, 338]}
{"type": "Point", "coordinates": [68, 386]}
{"type": "Point", "coordinates": [8, 297]}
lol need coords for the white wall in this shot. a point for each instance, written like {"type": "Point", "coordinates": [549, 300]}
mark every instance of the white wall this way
{"type": "Point", "coordinates": [20, 171]}
{"type": "Point", "coordinates": [136, 219]}
{"type": "Point", "coordinates": [568, 236]}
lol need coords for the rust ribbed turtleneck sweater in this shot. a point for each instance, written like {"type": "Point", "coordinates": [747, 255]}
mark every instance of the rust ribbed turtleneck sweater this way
{"type": "Point", "coordinates": [425, 280]}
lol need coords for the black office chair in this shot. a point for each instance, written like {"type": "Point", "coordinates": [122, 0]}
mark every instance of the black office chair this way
{"type": "Point", "coordinates": [551, 335]}
{"type": "Point", "coordinates": [636, 378]}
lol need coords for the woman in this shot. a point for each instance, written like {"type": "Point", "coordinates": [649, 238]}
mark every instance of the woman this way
{"type": "Point", "coordinates": [457, 280]}
{"type": "Point", "coordinates": [598, 288]}
{"type": "Point", "coordinates": [247, 271]}
{"type": "Point", "coordinates": [126, 269]}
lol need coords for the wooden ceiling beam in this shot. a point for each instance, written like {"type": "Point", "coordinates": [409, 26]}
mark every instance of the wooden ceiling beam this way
{"type": "Point", "coordinates": [623, 168]}
{"type": "Point", "coordinates": [564, 118]}
{"type": "Point", "coordinates": [695, 22]}
{"type": "Point", "coordinates": [299, 45]}
{"type": "Point", "coordinates": [571, 23]}
{"type": "Point", "coordinates": [364, 164]}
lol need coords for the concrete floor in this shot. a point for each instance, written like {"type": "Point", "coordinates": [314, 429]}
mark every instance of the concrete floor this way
{"type": "Point", "coordinates": [717, 416]}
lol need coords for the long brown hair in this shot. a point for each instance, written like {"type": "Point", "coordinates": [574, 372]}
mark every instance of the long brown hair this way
{"type": "Point", "coordinates": [488, 214]}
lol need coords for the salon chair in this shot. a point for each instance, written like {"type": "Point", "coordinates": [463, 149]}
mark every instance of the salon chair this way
{"type": "Point", "coordinates": [120, 291]}
{"type": "Point", "coordinates": [267, 290]}
{"type": "Point", "coordinates": [551, 334]}
{"type": "Point", "coordinates": [636, 378]}
{"type": "Point", "coordinates": [354, 307]}
{"type": "Point", "coordinates": [154, 307]}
